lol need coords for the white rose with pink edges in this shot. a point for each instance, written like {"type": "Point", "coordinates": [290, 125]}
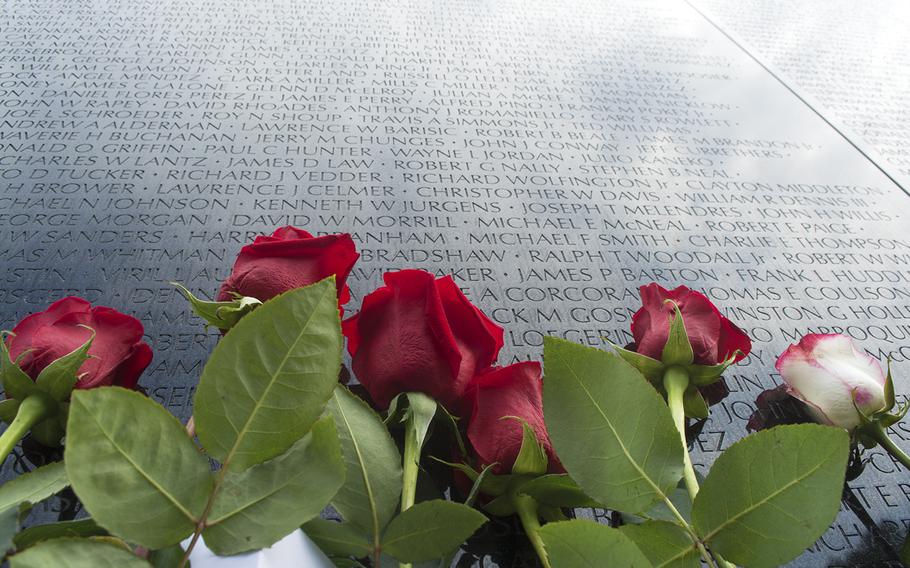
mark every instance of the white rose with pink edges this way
{"type": "Point", "coordinates": [834, 378]}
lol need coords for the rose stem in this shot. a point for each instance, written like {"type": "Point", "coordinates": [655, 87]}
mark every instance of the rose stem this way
{"type": "Point", "coordinates": [881, 436]}
{"type": "Point", "coordinates": [676, 381]}
{"type": "Point", "coordinates": [32, 410]}
{"type": "Point", "coordinates": [526, 507]}
{"type": "Point", "coordinates": [409, 468]}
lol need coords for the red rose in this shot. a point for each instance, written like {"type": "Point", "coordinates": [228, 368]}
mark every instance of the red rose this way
{"type": "Point", "coordinates": [420, 334]}
{"type": "Point", "coordinates": [516, 390]}
{"type": "Point", "coordinates": [117, 355]}
{"type": "Point", "coordinates": [291, 258]}
{"type": "Point", "coordinates": [714, 338]}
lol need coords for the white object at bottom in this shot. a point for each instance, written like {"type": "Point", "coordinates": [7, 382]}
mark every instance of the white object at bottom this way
{"type": "Point", "coordinates": [293, 551]}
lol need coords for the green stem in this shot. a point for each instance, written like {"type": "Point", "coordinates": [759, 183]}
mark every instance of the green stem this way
{"type": "Point", "coordinates": [32, 410]}
{"type": "Point", "coordinates": [409, 467]}
{"type": "Point", "coordinates": [681, 521]}
{"type": "Point", "coordinates": [676, 381]}
{"type": "Point", "coordinates": [526, 507]}
{"type": "Point", "coordinates": [881, 436]}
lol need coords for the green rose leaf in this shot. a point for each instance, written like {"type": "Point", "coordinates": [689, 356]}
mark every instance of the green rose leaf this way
{"type": "Point", "coordinates": [349, 563]}
{"type": "Point", "coordinates": [59, 378]}
{"type": "Point", "coordinates": [269, 378]}
{"type": "Point", "coordinates": [223, 315]}
{"type": "Point", "coordinates": [586, 544]}
{"type": "Point", "coordinates": [664, 544]}
{"type": "Point", "coordinates": [169, 557]}
{"type": "Point", "coordinates": [680, 500]}
{"type": "Point", "coordinates": [429, 530]}
{"type": "Point", "coordinates": [557, 490]}
{"type": "Point", "coordinates": [134, 468]}
{"type": "Point", "coordinates": [77, 553]}
{"type": "Point", "coordinates": [16, 384]}
{"type": "Point", "coordinates": [33, 486]}
{"type": "Point", "coordinates": [9, 526]}
{"type": "Point", "coordinates": [81, 528]}
{"type": "Point", "coordinates": [772, 494]}
{"type": "Point", "coordinates": [369, 497]}
{"type": "Point", "coordinates": [612, 431]}
{"type": "Point", "coordinates": [257, 507]}
{"type": "Point", "coordinates": [338, 539]}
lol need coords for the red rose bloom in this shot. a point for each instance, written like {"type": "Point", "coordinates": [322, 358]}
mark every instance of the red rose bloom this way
{"type": "Point", "coordinates": [117, 355]}
{"type": "Point", "coordinates": [420, 334]}
{"type": "Point", "coordinates": [714, 338]}
{"type": "Point", "coordinates": [516, 390]}
{"type": "Point", "coordinates": [291, 258]}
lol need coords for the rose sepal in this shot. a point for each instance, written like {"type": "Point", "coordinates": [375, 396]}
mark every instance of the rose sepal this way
{"type": "Point", "coordinates": [704, 375]}
{"type": "Point", "coordinates": [652, 369]}
{"type": "Point", "coordinates": [528, 477]}
{"type": "Point", "coordinates": [678, 349]}
{"type": "Point", "coordinates": [871, 424]}
{"type": "Point", "coordinates": [873, 429]}
{"type": "Point", "coordinates": [399, 412]}
{"type": "Point", "coordinates": [490, 484]}
{"type": "Point", "coordinates": [51, 389]}
{"type": "Point", "coordinates": [532, 457]}
{"type": "Point", "coordinates": [694, 404]}
{"type": "Point", "coordinates": [222, 315]}
{"type": "Point", "coordinates": [677, 352]}
{"type": "Point", "coordinates": [885, 417]}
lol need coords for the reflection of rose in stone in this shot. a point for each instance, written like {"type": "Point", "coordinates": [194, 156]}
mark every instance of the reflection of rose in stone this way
{"type": "Point", "coordinates": [776, 407]}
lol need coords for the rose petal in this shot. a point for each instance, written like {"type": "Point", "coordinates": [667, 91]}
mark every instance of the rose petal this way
{"type": "Point", "coordinates": [401, 341]}
{"type": "Point", "coordinates": [291, 258]}
{"type": "Point", "coordinates": [712, 336]}
{"type": "Point", "coordinates": [515, 390]}
{"type": "Point", "coordinates": [62, 328]}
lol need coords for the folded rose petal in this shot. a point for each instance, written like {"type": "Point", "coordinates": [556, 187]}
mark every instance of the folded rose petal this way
{"type": "Point", "coordinates": [290, 258]}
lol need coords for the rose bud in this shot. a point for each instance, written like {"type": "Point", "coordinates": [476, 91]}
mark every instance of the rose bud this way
{"type": "Point", "coordinates": [290, 258]}
{"type": "Point", "coordinates": [497, 397]}
{"type": "Point", "coordinates": [420, 334]}
{"type": "Point", "coordinates": [117, 355]}
{"type": "Point", "coordinates": [714, 338]}
{"type": "Point", "coordinates": [834, 378]}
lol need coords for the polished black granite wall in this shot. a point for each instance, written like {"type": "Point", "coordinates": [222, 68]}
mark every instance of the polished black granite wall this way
{"type": "Point", "coordinates": [552, 156]}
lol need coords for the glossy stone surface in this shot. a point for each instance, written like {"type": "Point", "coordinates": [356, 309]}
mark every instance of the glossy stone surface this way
{"type": "Point", "coordinates": [552, 156]}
